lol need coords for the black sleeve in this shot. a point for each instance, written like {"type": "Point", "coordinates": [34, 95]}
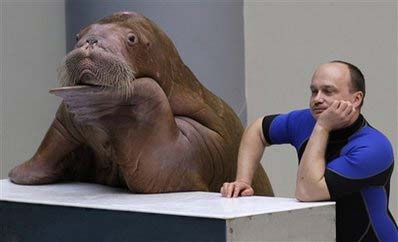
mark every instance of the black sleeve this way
{"type": "Point", "coordinates": [267, 120]}
{"type": "Point", "coordinates": [340, 186]}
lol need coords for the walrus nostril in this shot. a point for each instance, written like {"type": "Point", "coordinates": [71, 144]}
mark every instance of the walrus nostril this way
{"type": "Point", "coordinates": [92, 40]}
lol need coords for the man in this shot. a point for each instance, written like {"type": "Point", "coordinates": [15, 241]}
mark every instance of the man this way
{"type": "Point", "coordinates": [341, 157]}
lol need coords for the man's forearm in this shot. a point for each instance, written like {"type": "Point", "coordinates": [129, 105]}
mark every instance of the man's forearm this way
{"type": "Point", "coordinates": [310, 176]}
{"type": "Point", "coordinates": [250, 152]}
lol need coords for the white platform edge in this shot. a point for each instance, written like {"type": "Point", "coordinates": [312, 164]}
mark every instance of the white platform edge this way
{"type": "Point", "coordinates": [192, 204]}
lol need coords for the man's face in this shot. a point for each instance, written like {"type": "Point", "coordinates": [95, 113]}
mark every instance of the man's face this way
{"type": "Point", "coordinates": [331, 81]}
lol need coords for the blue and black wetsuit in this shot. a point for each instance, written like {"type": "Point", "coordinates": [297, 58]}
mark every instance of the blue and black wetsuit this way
{"type": "Point", "coordinates": [359, 165]}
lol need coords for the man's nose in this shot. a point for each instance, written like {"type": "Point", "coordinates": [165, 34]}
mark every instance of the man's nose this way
{"type": "Point", "coordinates": [318, 97]}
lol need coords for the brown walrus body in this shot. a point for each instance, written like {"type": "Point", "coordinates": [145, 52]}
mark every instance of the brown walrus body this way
{"type": "Point", "coordinates": [134, 115]}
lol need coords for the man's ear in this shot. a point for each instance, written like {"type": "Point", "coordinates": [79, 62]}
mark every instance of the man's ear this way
{"type": "Point", "coordinates": [358, 97]}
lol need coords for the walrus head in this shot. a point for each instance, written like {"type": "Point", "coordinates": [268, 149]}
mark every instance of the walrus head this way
{"type": "Point", "coordinates": [118, 49]}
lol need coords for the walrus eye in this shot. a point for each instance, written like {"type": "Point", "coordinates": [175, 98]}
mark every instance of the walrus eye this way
{"type": "Point", "coordinates": [132, 39]}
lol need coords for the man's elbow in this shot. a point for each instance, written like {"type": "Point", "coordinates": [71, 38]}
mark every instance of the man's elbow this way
{"type": "Point", "coordinates": [311, 194]}
{"type": "Point", "coordinates": [302, 195]}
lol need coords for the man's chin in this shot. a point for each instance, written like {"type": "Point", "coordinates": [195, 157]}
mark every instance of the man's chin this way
{"type": "Point", "coordinates": [316, 114]}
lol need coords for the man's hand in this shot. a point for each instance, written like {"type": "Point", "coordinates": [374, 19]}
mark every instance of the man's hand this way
{"type": "Point", "coordinates": [235, 189]}
{"type": "Point", "coordinates": [339, 115]}
{"type": "Point", "coordinates": [251, 149]}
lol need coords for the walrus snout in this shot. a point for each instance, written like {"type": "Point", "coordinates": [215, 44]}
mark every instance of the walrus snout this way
{"type": "Point", "coordinates": [95, 66]}
{"type": "Point", "coordinates": [92, 40]}
{"type": "Point", "coordinates": [86, 77]}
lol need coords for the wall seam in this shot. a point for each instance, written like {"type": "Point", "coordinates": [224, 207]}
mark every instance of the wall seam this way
{"type": "Point", "coordinates": [394, 199]}
{"type": "Point", "coordinates": [2, 90]}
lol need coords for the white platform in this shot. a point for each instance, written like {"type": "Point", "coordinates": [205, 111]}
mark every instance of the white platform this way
{"type": "Point", "coordinates": [242, 214]}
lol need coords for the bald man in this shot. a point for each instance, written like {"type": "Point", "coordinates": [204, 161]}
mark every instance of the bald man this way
{"type": "Point", "coordinates": [341, 157]}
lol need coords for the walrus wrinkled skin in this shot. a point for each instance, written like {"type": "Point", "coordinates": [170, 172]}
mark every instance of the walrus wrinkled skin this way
{"type": "Point", "coordinates": [134, 115]}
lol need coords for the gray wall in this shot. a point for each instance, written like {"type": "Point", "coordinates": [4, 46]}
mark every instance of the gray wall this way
{"type": "Point", "coordinates": [286, 41]}
{"type": "Point", "coordinates": [208, 35]}
{"type": "Point", "coordinates": [32, 46]}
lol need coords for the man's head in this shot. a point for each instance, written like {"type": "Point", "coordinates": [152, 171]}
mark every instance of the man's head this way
{"type": "Point", "coordinates": [336, 80]}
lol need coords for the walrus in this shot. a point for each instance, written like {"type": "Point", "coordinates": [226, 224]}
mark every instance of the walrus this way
{"type": "Point", "coordinates": [134, 115]}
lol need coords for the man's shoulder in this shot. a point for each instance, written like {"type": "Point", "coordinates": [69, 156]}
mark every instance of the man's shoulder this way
{"type": "Point", "coordinates": [287, 127]}
{"type": "Point", "coordinates": [301, 118]}
{"type": "Point", "coordinates": [293, 120]}
{"type": "Point", "coordinates": [368, 153]}
{"type": "Point", "coordinates": [304, 114]}
{"type": "Point", "coordinates": [374, 140]}
{"type": "Point", "coordinates": [298, 116]}
{"type": "Point", "coordinates": [370, 135]}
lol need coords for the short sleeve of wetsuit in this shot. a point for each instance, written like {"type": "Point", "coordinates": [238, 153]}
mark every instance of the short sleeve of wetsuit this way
{"type": "Point", "coordinates": [278, 128]}
{"type": "Point", "coordinates": [266, 124]}
{"type": "Point", "coordinates": [365, 162]}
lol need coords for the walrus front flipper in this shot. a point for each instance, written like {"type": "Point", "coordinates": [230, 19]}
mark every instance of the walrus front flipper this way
{"type": "Point", "coordinates": [46, 166]}
{"type": "Point", "coordinates": [151, 151]}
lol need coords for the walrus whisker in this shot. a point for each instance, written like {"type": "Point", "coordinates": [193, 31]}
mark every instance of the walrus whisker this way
{"type": "Point", "coordinates": [109, 70]}
{"type": "Point", "coordinates": [64, 76]}
{"type": "Point", "coordinates": [131, 89]}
